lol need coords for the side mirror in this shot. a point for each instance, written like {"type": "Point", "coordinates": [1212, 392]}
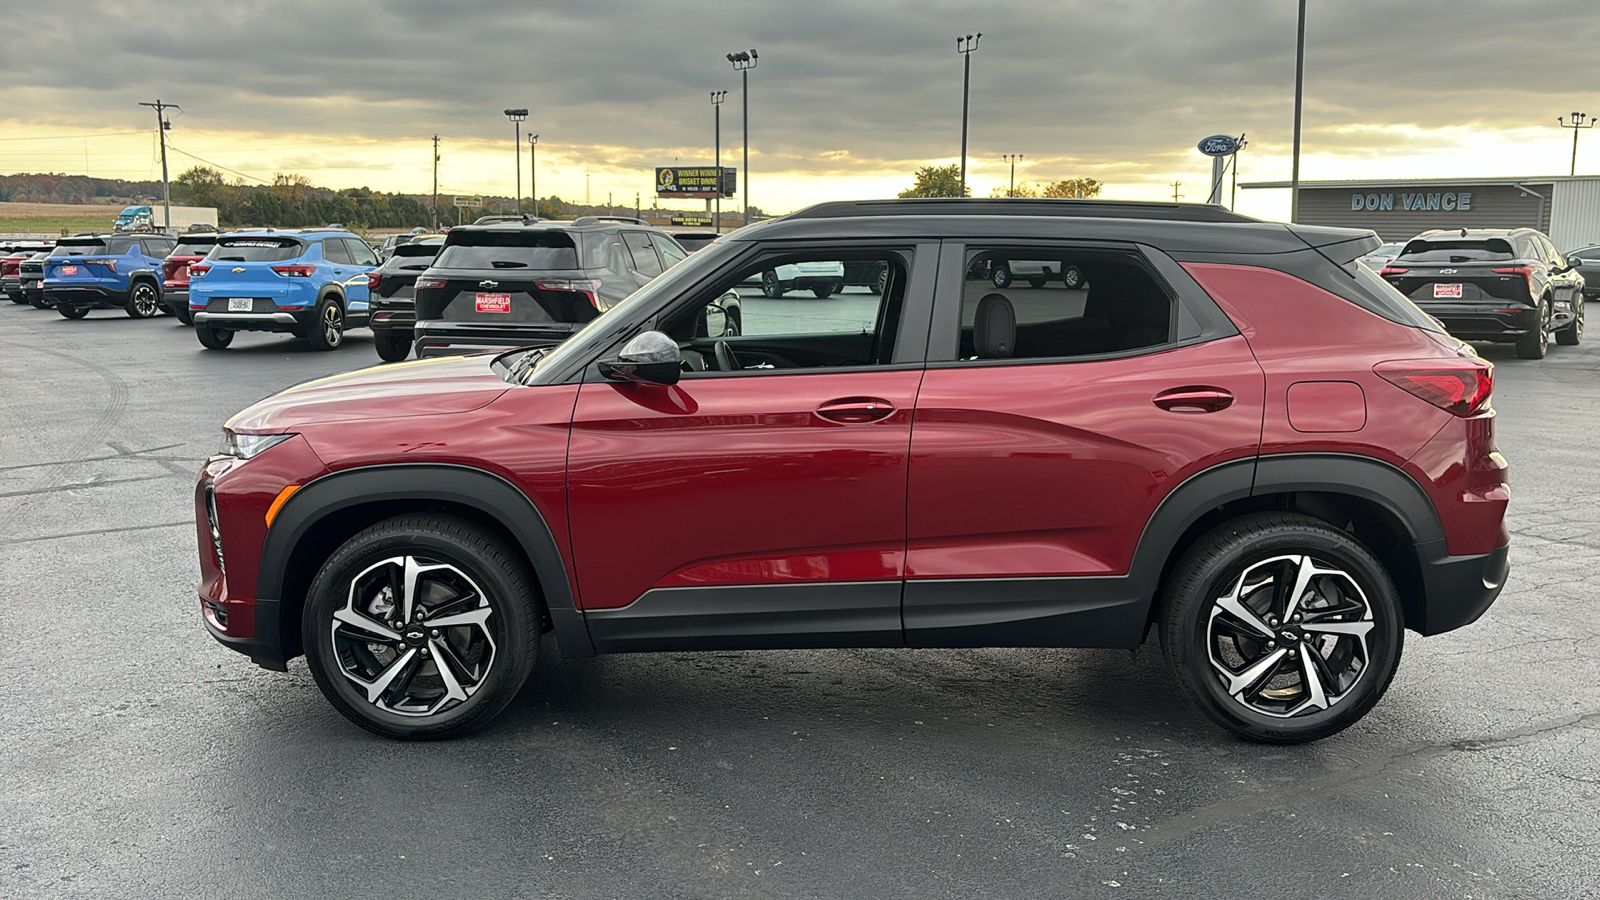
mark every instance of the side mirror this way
{"type": "Point", "coordinates": [650, 358]}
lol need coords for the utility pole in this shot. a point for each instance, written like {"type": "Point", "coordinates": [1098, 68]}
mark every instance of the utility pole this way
{"type": "Point", "coordinates": [161, 129]}
{"type": "Point", "coordinates": [1013, 159]}
{"type": "Point", "coordinates": [965, 46]}
{"type": "Point", "coordinates": [436, 182]}
{"type": "Point", "coordinates": [716, 103]}
{"type": "Point", "coordinates": [533, 171]}
{"type": "Point", "coordinates": [742, 63]}
{"type": "Point", "coordinates": [1299, 79]}
{"type": "Point", "coordinates": [1578, 124]}
{"type": "Point", "coordinates": [1175, 194]}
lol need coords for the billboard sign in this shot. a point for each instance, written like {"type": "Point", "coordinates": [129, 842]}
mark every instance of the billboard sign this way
{"type": "Point", "coordinates": [694, 181]}
{"type": "Point", "coordinates": [692, 221]}
{"type": "Point", "coordinates": [470, 202]}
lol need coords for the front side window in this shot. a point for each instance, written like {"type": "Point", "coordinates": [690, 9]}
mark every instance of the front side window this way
{"type": "Point", "coordinates": [360, 252]}
{"type": "Point", "coordinates": [644, 258]}
{"type": "Point", "coordinates": [670, 251]}
{"type": "Point", "coordinates": [1025, 303]}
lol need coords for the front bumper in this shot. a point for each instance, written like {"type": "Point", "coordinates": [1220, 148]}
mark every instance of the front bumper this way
{"type": "Point", "coordinates": [1458, 589]}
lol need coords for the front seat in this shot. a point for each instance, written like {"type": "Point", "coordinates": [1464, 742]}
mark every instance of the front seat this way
{"type": "Point", "coordinates": [994, 328]}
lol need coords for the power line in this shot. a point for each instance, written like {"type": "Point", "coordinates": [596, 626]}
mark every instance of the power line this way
{"type": "Point", "coordinates": [220, 166]}
{"type": "Point", "coordinates": [73, 137]}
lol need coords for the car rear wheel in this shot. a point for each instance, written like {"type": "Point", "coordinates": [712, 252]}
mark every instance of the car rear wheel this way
{"type": "Point", "coordinates": [19, 299]}
{"type": "Point", "coordinates": [72, 312]}
{"type": "Point", "coordinates": [1072, 277]}
{"type": "Point", "coordinates": [771, 287]}
{"type": "Point", "coordinates": [822, 293]}
{"type": "Point", "coordinates": [1536, 343]}
{"type": "Point", "coordinates": [1572, 335]}
{"type": "Point", "coordinates": [881, 284]}
{"type": "Point", "coordinates": [1281, 628]}
{"type": "Point", "coordinates": [183, 314]}
{"type": "Point", "coordinates": [392, 347]}
{"type": "Point", "coordinates": [213, 338]}
{"type": "Point", "coordinates": [421, 627]}
{"type": "Point", "coordinates": [143, 301]}
{"type": "Point", "coordinates": [40, 303]}
{"type": "Point", "coordinates": [1001, 275]}
{"type": "Point", "coordinates": [327, 332]}
{"type": "Point", "coordinates": [1036, 281]}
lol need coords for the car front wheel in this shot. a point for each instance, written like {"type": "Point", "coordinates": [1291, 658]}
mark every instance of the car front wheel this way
{"type": "Point", "coordinates": [421, 627]}
{"type": "Point", "coordinates": [771, 287]}
{"type": "Point", "coordinates": [1572, 335]}
{"type": "Point", "coordinates": [1001, 275]}
{"type": "Point", "coordinates": [1281, 628]}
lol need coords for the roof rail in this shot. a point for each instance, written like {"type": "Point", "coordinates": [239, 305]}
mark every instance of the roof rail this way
{"type": "Point", "coordinates": [591, 220]}
{"type": "Point", "coordinates": [1016, 206]}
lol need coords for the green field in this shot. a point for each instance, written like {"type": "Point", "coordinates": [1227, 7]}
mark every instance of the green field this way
{"type": "Point", "coordinates": [99, 221]}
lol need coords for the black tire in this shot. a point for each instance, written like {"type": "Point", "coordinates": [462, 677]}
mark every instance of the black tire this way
{"type": "Point", "coordinates": [144, 301]}
{"type": "Point", "coordinates": [1071, 277]}
{"type": "Point", "coordinates": [183, 314]}
{"type": "Point", "coordinates": [881, 283]}
{"type": "Point", "coordinates": [1000, 275]}
{"type": "Point", "coordinates": [771, 287]}
{"type": "Point", "coordinates": [40, 303]}
{"type": "Point", "coordinates": [822, 293]}
{"type": "Point", "coordinates": [213, 338]}
{"type": "Point", "coordinates": [353, 583]}
{"type": "Point", "coordinates": [1572, 335]}
{"type": "Point", "coordinates": [72, 312]}
{"type": "Point", "coordinates": [1536, 343]}
{"type": "Point", "coordinates": [392, 347]}
{"type": "Point", "coordinates": [1036, 281]}
{"type": "Point", "coordinates": [18, 298]}
{"type": "Point", "coordinates": [326, 332]}
{"type": "Point", "coordinates": [1281, 545]}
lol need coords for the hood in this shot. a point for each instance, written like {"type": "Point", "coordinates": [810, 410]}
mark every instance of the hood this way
{"type": "Point", "coordinates": [424, 387]}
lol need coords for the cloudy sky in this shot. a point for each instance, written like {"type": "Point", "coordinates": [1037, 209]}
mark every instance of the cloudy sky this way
{"type": "Point", "coordinates": [849, 97]}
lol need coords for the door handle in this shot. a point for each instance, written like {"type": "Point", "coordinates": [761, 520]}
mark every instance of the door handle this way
{"type": "Point", "coordinates": [1194, 400]}
{"type": "Point", "coordinates": [855, 410]}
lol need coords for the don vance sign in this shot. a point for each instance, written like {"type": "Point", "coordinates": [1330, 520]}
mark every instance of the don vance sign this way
{"type": "Point", "coordinates": [1461, 200]}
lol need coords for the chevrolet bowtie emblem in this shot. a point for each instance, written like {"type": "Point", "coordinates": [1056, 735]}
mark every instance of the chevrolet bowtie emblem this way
{"type": "Point", "coordinates": [238, 268]}
{"type": "Point", "coordinates": [488, 284]}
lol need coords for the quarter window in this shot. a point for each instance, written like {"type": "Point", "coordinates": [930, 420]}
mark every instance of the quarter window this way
{"type": "Point", "coordinates": [645, 261]}
{"type": "Point", "coordinates": [360, 252]}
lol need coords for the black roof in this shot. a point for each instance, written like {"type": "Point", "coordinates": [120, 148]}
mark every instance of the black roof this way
{"type": "Point", "coordinates": [1018, 206]}
{"type": "Point", "coordinates": [529, 223]}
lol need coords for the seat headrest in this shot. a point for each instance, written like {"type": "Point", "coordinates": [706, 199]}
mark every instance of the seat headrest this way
{"type": "Point", "coordinates": [994, 328]}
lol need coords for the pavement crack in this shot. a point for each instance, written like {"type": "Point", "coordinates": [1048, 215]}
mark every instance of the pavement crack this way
{"type": "Point", "coordinates": [70, 534]}
{"type": "Point", "coordinates": [84, 485]}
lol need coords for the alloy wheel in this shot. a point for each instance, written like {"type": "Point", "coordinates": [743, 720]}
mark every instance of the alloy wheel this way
{"type": "Point", "coordinates": [332, 324]}
{"type": "Point", "coordinates": [417, 637]}
{"type": "Point", "coordinates": [1289, 637]}
{"type": "Point", "coordinates": [145, 303]}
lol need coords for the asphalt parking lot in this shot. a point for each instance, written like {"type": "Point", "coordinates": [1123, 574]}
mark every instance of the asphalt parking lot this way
{"type": "Point", "coordinates": [143, 759]}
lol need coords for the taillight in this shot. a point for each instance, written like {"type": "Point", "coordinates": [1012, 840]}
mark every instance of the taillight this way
{"type": "Point", "coordinates": [423, 283]}
{"type": "Point", "coordinates": [295, 270]}
{"type": "Point", "coordinates": [1394, 270]}
{"type": "Point", "coordinates": [97, 261]}
{"type": "Point", "coordinates": [197, 270]}
{"type": "Point", "coordinates": [1460, 386]}
{"type": "Point", "coordinates": [590, 289]}
{"type": "Point", "coordinates": [1525, 271]}
{"type": "Point", "coordinates": [373, 278]}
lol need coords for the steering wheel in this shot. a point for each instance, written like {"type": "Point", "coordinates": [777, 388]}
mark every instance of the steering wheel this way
{"type": "Point", "coordinates": [726, 361]}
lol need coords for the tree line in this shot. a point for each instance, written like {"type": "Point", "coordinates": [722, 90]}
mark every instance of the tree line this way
{"type": "Point", "coordinates": [945, 181]}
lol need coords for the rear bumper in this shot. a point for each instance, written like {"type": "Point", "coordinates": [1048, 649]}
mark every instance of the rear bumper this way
{"type": "Point", "coordinates": [175, 298]}
{"type": "Point", "coordinates": [278, 321]}
{"type": "Point", "coordinates": [437, 338]}
{"type": "Point", "coordinates": [1458, 589]}
{"type": "Point", "coordinates": [84, 295]}
{"type": "Point", "coordinates": [1484, 321]}
{"type": "Point", "coordinates": [393, 319]}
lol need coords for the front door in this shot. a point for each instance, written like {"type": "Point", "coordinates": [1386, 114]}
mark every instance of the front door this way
{"type": "Point", "coordinates": [759, 502]}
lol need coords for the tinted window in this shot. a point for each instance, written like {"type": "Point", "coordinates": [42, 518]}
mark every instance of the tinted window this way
{"type": "Point", "coordinates": [360, 252]}
{"type": "Point", "coordinates": [1457, 251]}
{"type": "Point", "coordinates": [508, 250]}
{"type": "Point", "coordinates": [1586, 253]}
{"type": "Point", "coordinates": [256, 249]}
{"type": "Point", "coordinates": [193, 246]}
{"type": "Point", "coordinates": [1060, 304]}
{"type": "Point", "coordinates": [645, 261]}
{"type": "Point", "coordinates": [80, 246]}
{"type": "Point", "coordinates": [671, 252]}
{"type": "Point", "coordinates": [1381, 297]}
{"type": "Point", "coordinates": [427, 249]}
{"type": "Point", "coordinates": [334, 251]}
{"type": "Point", "coordinates": [693, 242]}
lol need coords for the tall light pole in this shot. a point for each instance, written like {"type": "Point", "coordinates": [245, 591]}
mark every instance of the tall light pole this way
{"type": "Point", "coordinates": [1579, 122]}
{"type": "Point", "coordinates": [436, 182]}
{"type": "Point", "coordinates": [1299, 79]}
{"type": "Point", "coordinates": [742, 63]}
{"type": "Point", "coordinates": [716, 103]}
{"type": "Point", "coordinates": [1013, 159]}
{"type": "Point", "coordinates": [965, 46]}
{"type": "Point", "coordinates": [517, 117]}
{"type": "Point", "coordinates": [533, 172]}
{"type": "Point", "coordinates": [162, 125]}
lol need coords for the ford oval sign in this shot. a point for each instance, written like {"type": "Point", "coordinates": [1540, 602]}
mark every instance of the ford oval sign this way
{"type": "Point", "coordinates": [1219, 145]}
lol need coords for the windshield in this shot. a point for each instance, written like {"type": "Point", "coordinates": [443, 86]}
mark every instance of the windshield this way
{"type": "Point", "coordinates": [508, 250]}
{"type": "Point", "coordinates": [1457, 251]}
{"type": "Point", "coordinates": [256, 249]}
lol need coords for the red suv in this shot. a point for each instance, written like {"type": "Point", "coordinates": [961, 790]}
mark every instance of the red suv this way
{"type": "Point", "coordinates": [1229, 432]}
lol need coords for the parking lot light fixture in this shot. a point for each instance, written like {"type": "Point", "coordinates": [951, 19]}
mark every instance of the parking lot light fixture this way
{"type": "Point", "coordinates": [965, 46]}
{"type": "Point", "coordinates": [743, 61]}
{"type": "Point", "coordinates": [1579, 122]}
{"type": "Point", "coordinates": [716, 103]}
{"type": "Point", "coordinates": [1013, 159]}
{"type": "Point", "coordinates": [517, 117]}
{"type": "Point", "coordinates": [533, 172]}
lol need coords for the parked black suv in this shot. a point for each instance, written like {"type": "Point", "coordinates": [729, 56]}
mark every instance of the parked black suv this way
{"type": "Point", "coordinates": [519, 284]}
{"type": "Point", "coordinates": [1493, 285]}
{"type": "Point", "coordinates": [394, 308]}
{"type": "Point", "coordinates": [1587, 259]}
{"type": "Point", "coordinates": [30, 279]}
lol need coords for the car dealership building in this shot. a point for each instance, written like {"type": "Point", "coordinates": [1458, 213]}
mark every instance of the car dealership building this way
{"type": "Point", "coordinates": [1567, 208]}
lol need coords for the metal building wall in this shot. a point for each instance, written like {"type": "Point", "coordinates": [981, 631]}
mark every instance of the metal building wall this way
{"type": "Point", "coordinates": [1492, 206]}
{"type": "Point", "coordinates": [1575, 220]}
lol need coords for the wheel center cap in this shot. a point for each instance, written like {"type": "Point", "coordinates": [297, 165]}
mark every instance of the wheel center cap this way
{"type": "Point", "coordinates": [1288, 636]}
{"type": "Point", "coordinates": [414, 636]}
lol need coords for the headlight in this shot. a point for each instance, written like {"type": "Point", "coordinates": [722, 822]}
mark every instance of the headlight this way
{"type": "Point", "coordinates": [246, 446]}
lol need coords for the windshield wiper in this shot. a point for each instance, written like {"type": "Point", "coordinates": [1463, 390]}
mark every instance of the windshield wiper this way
{"type": "Point", "coordinates": [524, 365]}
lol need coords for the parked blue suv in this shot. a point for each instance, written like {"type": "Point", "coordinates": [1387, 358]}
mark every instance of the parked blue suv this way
{"type": "Point", "coordinates": [311, 284]}
{"type": "Point", "coordinates": [121, 271]}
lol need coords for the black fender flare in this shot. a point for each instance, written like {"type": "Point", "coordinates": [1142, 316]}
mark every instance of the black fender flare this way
{"type": "Point", "coordinates": [138, 275]}
{"type": "Point", "coordinates": [483, 491]}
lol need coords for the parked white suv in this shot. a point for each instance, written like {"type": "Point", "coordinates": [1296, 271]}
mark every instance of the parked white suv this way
{"type": "Point", "coordinates": [820, 278]}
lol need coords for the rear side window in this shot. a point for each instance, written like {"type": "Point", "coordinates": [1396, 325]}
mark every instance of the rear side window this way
{"type": "Point", "coordinates": [80, 247]}
{"type": "Point", "coordinates": [1457, 251]}
{"type": "Point", "coordinates": [645, 261]}
{"type": "Point", "coordinates": [334, 251]}
{"type": "Point", "coordinates": [194, 246]}
{"type": "Point", "coordinates": [256, 249]}
{"type": "Point", "coordinates": [508, 250]}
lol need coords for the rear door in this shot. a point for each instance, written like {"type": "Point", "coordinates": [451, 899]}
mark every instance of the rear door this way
{"type": "Point", "coordinates": [1050, 424]}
